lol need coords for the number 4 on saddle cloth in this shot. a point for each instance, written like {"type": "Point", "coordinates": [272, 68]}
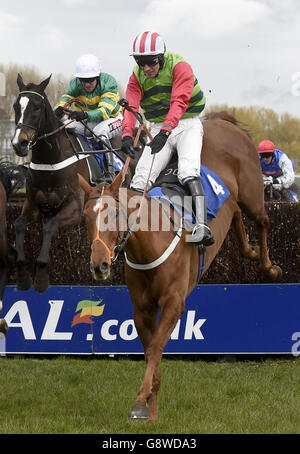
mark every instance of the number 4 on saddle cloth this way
{"type": "Point", "coordinates": [95, 161]}
{"type": "Point", "coordinates": [168, 189]}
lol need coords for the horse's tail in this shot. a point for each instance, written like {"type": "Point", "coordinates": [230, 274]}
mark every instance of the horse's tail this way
{"type": "Point", "coordinates": [226, 116]}
{"type": "Point", "coordinates": [12, 177]}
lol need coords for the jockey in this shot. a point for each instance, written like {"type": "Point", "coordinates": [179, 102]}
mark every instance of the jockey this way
{"type": "Point", "coordinates": [99, 93]}
{"type": "Point", "coordinates": [276, 167]}
{"type": "Point", "coordinates": [164, 85]}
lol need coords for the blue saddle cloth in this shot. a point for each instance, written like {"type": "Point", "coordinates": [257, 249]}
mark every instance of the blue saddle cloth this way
{"type": "Point", "coordinates": [118, 163]}
{"type": "Point", "coordinates": [215, 191]}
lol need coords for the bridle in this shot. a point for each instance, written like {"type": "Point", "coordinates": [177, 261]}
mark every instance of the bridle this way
{"type": "Point", "coordinates": [25, 125]}
{"type": "Point", "coordinates": [121, 240]}
{"type": "Point", "coordinates": [32, 142]}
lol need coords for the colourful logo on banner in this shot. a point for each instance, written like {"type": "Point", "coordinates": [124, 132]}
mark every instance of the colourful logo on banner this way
{"type": "Point", "coordinates": [87, 310]}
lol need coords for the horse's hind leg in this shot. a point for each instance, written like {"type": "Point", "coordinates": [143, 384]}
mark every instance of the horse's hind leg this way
{"type": "Point", "coordinates": [272, 272]}
{"type": "Point", "coordinates": [245, 248]}
{"type": "Point", "coordinates": [261, 218]}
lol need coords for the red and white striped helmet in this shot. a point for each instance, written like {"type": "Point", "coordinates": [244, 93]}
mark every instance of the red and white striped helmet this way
{"type": "Point", "coordinates": [148, 43]}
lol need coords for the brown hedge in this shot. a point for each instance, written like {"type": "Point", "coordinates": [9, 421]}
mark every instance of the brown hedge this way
{"type": "Point", "coordinates": [70, 252]}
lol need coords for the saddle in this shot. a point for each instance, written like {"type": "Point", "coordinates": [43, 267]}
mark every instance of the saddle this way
{"type": "Point", "coordinates": [95, 171]}
{"type": "Point", "coordinates": [167, 188]}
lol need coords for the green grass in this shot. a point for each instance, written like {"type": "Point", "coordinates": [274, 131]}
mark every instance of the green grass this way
{"type": "Point", "coordinates": [84, 396]}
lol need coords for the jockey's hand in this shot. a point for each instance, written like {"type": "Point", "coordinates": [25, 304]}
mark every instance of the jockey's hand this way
{"type": "Point", "coordinates": [78, 115]}
{"type": "Point", "coordinates": [59, 111]}
{"type": "Point", "coordinates": [277, 184]}
{"type": "Point", "coordinates": [159, 141]}
{"type": "Point", "coordinates": [267, 180]}
{"type": "Point", "coordinates": [127, 146]}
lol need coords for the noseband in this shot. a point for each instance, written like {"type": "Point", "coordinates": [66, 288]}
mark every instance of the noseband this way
{"type": "Point", "coordinates": [121, 243]}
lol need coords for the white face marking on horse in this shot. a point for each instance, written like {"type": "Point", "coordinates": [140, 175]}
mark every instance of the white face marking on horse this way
{"type": "Point", "coordinates": [24, 100]}
{"type": "Point", "coordinates": [97, 206]}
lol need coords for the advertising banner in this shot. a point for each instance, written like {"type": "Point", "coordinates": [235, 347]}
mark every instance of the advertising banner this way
{"type": "Point", "coordinates": [99, 320]}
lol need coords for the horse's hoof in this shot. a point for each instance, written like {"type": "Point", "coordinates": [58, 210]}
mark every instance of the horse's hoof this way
{"type": "Point", "coordinates": [24, 282]}
{"type": "Point", "coordinates": [139, 411]}
{"type": "Point", "coordinates": [41, 285]}
{"type": "Point", "coordinates": [3, 326]}
{"type": "Point", "coordinates": [275, 273]}
{"type": "Point", "coordinates": [41, 280]}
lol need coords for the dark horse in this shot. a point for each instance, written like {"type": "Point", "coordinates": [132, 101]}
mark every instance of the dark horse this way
{"type": "Point", "coordinates": [12, 177]}
{"type": "Point", "coordinates": [52, 189]}
{"type": "Point", "coordinates": [161, 267]}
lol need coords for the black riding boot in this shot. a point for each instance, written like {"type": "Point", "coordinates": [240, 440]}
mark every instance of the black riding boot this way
{"type": "Point", "coordinates": [109, 166]}
{"type": "Point", "coordinates": [201, 233]}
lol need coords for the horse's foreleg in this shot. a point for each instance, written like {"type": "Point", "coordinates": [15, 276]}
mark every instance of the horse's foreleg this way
{"type": "Point", "coordinates": [172, 307]}
{"type": "Point", "coordinates": [145, 322]}
{"type": "Point", "coordinates": [41, 280]}
{"type": "Point", "coordinates": [23, 277]}
{"type": "Point", "coordinates": [3, 281]}
{"type": "Point", "coordinates": [245, 249]}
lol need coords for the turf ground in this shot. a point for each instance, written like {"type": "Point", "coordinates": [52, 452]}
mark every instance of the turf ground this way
{"type": "Point", "coordinates": [66, 395]}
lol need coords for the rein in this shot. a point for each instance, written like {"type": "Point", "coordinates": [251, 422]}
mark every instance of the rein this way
{"type": "Point", "coordinates": [113, 254]}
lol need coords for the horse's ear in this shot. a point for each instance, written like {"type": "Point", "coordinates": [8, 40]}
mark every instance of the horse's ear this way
{"type": "Point", "coordinates": [84, 184]}
{"type": "Point", "coordinates": [20, 82]}
{"type": "Point", "coordinates": [117, 183]}
{"type": "Point", "coordinates": [45, 82]}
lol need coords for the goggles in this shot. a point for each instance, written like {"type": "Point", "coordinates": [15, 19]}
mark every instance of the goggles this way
{"type": "Point", "coordinates": [143, 61]}
{"type": "Point", "coordinates": [87, 80]}
{"type": "Point", "coordinates": [267, 155]}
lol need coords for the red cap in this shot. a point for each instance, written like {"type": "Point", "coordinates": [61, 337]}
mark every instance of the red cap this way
{"type": "Point", "coordinates": [266, 146]}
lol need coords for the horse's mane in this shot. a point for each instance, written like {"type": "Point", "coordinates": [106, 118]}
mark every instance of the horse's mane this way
{"type": "Point", "coordinates": [12, 176]}
{"type": "Point", "coordinates": [226, 116]}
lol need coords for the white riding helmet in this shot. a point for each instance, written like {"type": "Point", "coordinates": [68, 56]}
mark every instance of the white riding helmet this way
{"type": "Point", "coordinates": [148, 43]}
{"type": "Point", "coordinates": [87, 66]}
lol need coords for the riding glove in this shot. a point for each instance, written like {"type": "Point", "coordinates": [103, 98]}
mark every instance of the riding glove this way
{"type": "Point", "coordinates": [159, 141]}
{"type": "Point", "coordinates": [267, 180]}
{"type": "Point", "coordinates": [78, 115]}
{"type": "Point", "coordinates": [59, 111]}
{"type": "Point", "coordinates": [277, 184]}
{"type": "Point", "coordinates": [127, 146]}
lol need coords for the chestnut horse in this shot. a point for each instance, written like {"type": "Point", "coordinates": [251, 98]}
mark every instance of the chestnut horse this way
{"type": "Point", "coordinates": [161, 266]}
{"type": "Point", "coordinates": [12, 177]}
{"type": "Point", "coordinates": [52, 190]}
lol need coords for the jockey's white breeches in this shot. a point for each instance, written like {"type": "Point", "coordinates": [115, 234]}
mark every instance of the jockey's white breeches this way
{"type": "Point", "coordinates": [186, 139]}
{"type": "Point", "coordinates": [108, 128]}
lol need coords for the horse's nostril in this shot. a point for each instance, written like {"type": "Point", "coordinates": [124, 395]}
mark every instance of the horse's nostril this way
{"type": "Point", "coordinates": [24, 144]}
{"type": "Point", "coordinates": [104, 267]}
